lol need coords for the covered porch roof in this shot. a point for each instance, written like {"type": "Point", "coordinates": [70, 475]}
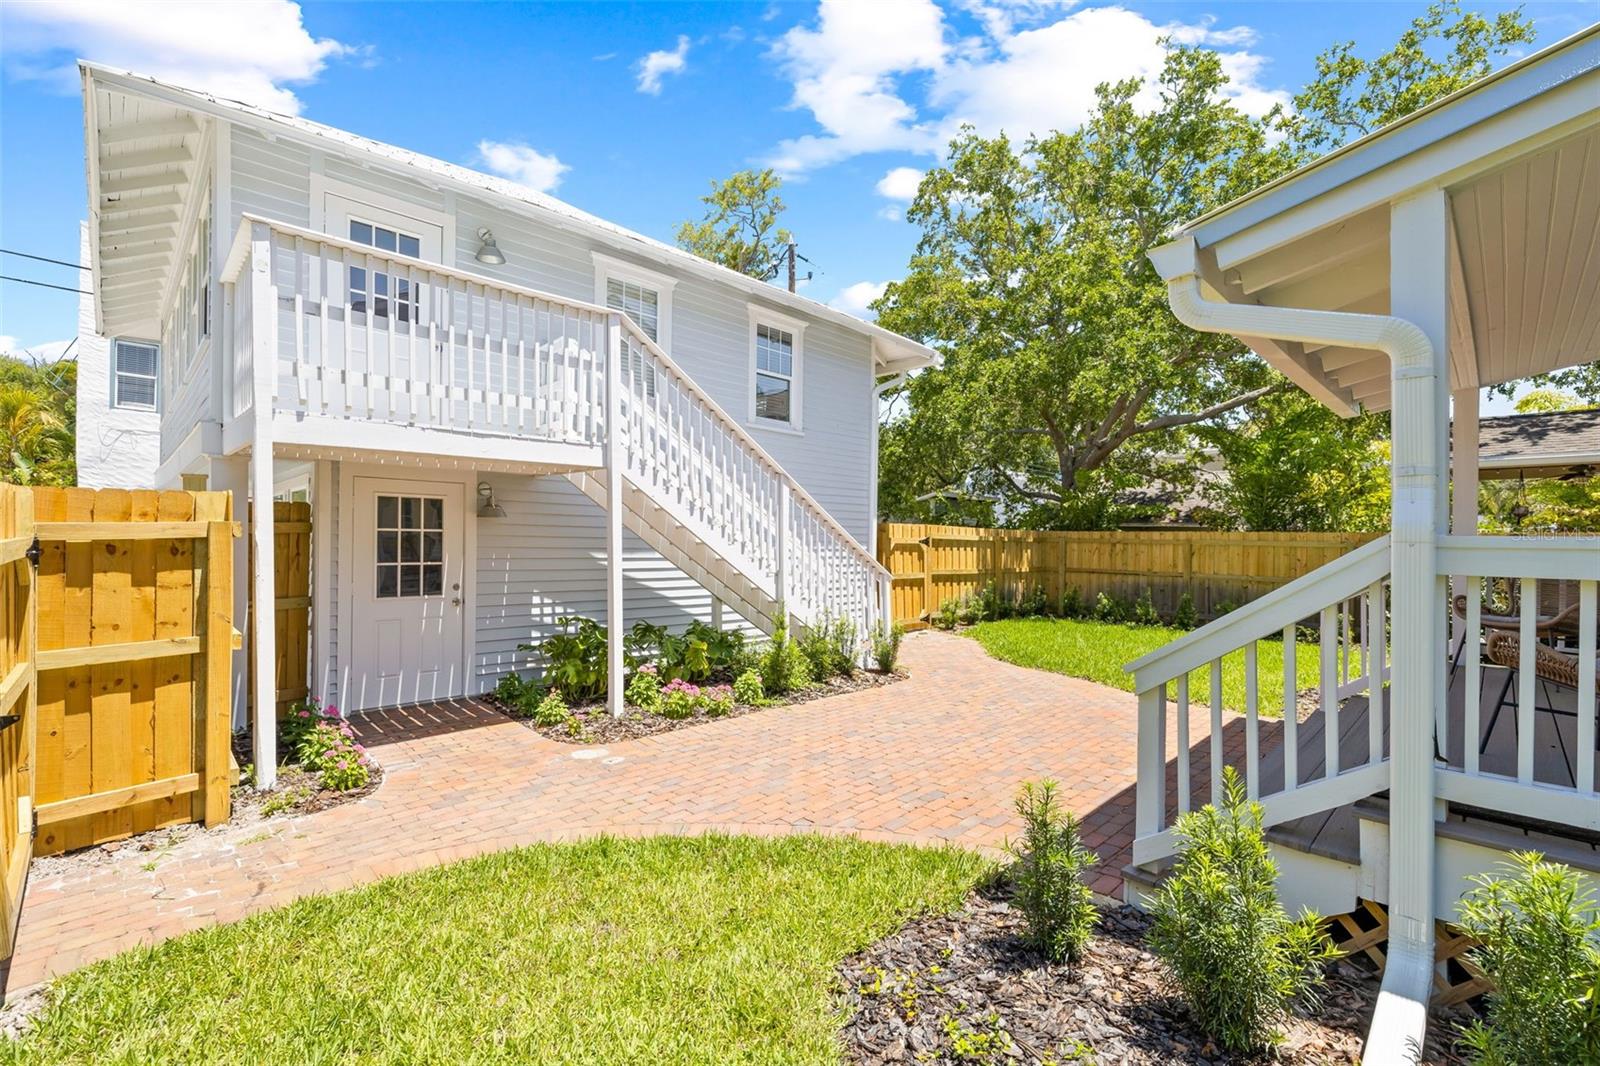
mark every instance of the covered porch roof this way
{"type": "Point", "coordinates": [1518, 156]}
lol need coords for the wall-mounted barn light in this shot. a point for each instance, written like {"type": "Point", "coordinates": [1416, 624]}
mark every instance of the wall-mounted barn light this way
{"type": "Point", "coordinates": [488, 251]}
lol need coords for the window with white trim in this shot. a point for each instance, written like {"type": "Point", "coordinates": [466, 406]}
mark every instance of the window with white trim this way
{"type": "Point", "coordinates": [646, 298]}
{"type": "Point", "coordinates": [135, 366]}
{"type": "Point", "coordinates": [775, 356]}
{"type": "Point", "coordinates": [386, 289]}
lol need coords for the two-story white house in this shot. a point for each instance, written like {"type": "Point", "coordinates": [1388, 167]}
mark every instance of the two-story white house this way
{"type": "Point", "coordinates": [503, 410]}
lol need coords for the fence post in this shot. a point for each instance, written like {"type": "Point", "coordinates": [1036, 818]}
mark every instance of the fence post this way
{"type": "Point", "coordinates": [928, 606]}
{"type": "Point", "coordinates": [217, 701]}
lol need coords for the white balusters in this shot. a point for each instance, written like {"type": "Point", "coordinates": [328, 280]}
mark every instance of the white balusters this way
{"type": "Point", "coordinates": [1216, 731]}
{"type": "Point", "coordinates": [1527, 677]}
{"type": "Point", "coordinates": [1587, 641]}
{"type": "Point", "coordinates": [1327, 638]}
{"type": "Point", "coordinates": [1291, 711]}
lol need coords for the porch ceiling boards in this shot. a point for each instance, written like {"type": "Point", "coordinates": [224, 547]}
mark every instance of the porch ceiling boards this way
{"type": "Point", "coordinates": [144, 156]}
{"type": "Point", "coordinates": [1518, 155]}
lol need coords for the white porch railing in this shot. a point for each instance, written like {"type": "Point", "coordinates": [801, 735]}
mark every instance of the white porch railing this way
{"type": "Point", "coordinates": [362, 335]}
{"type": "Point", "coordinates": [1347, 601]}
{"type": "Point", "coordinates": [1549, 633]}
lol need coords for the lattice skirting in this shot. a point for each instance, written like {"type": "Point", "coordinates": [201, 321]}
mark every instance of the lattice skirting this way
{"type": "Point", "coordinates": [1365, 930]}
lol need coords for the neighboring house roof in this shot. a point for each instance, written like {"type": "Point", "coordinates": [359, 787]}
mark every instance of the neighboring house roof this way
{"type": "Point", "coordinates": [1545, 444]}
{"type": "Point", "coordinates": [894, 352]}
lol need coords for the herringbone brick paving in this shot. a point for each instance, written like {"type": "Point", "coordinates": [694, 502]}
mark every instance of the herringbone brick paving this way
{"type": "Point", "coordinates": [936, 758]}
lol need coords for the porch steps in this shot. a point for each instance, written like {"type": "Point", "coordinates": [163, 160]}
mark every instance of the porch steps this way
{"type": "Point", "coordinates": [677, 543]}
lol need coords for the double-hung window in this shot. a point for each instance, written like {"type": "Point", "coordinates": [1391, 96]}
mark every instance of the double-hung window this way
{"type": "Point", "coordinates": [775, 358]}
{"type": "Point", "coordinates": [136, 366]}
{"type": "Point", "coordinates": [644, 296]}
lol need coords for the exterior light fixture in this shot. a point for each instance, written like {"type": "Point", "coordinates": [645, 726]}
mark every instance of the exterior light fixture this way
{"type": "Point", "coordinates": [488, 251]}
{"type": "Point", "coordinates": [487, 508]}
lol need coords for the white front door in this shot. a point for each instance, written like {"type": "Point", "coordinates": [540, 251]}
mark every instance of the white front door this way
{"type": "Point", "coordinates": [406, 636]}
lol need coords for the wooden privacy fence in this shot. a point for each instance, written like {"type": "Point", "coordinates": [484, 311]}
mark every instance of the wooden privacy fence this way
{"type": "Point", "coordinates": [291, 550]}
{"type": "Point", "coordinates": [135, 637]}
{"type": "Point", "coordinates": [932, 564]}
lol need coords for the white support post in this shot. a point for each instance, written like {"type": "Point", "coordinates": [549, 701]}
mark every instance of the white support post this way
{"type": "Point", "coordinates": [716, 612]}
{"type": "Point", "coordinates": [614, 620]}
{"type": "Point", "coordinates": [784, 561]}
{"type": "Point", "coordinates": [1150, 789]}
{"type": "Point", "coordinates": [264, 366]}
{"type": "Point", "coordinates": [1418, 293]}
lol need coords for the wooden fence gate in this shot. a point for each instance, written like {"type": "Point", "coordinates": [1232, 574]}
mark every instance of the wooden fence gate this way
{"type": "Point", "coordinates": [291, 550]}
{"type": "Point", "coordinates": [932, 564]}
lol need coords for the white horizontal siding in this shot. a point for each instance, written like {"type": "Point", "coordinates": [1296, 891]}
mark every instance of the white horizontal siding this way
{"type": "Point", "coordinates": [546, 559]}
{"type": "Point", "coordinates": [270, 178]}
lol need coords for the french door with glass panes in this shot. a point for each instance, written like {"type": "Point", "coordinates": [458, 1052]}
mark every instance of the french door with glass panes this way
{"type": "Point", "coordinates": [406, 636]}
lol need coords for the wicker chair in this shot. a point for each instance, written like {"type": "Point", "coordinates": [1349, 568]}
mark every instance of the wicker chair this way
{"type": "Point", "coordinates": [1550, 666]}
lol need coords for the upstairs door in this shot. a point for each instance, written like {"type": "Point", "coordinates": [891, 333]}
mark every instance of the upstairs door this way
{"type": "Point", "coordinates": [407, 634]}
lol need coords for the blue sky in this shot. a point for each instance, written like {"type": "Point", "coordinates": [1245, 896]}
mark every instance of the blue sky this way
{"type": "Point", "coordinates": [628, 111]}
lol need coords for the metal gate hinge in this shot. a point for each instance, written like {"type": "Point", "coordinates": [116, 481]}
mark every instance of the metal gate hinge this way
{"type": "Point", "coordinates": [34, 553]}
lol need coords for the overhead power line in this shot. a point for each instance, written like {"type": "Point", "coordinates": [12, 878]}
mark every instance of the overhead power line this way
{"type": "Point", "coordinates": [45, 285]}
{"type": "Point", "coordinates": [44, 259]}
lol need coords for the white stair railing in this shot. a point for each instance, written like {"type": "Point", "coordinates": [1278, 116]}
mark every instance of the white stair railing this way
{"type": "Point", "coordinates": [684, 452]}
{"type": "Point", "coordinates": [1347, 603]}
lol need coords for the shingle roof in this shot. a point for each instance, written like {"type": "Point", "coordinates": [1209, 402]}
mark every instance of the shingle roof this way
{"type": "Point", "coordinates": [1544, 440]}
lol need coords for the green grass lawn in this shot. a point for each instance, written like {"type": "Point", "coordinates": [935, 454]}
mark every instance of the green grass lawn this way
{"type": "Point", "coordinates": [669, 950]}
{"type": "Point", "coordinates": [1097, 651]}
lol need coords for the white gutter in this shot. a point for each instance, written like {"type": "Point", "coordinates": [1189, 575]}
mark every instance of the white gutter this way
{"type": "Point", "coordinates": [872, 460]}
{"type": "Point", "coordinates": [1400, 1020]}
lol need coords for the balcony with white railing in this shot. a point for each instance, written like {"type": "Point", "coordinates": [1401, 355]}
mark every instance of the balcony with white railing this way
{"type": "Point", "coordinates": [366, 350]}
{"type": "Point", "coordinates": [1514, 707]}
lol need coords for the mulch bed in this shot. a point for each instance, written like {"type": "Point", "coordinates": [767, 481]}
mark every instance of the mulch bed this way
{"type": "Point", "coordinates": [969, 977]}
{"type": "Point", "coordinates": [596, 726]}
{"type": "Point", "coordinates": [296, 793]}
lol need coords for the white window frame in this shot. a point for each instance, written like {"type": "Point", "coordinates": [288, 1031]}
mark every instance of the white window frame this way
{"type": "Point", "coordinates": [116, 375]}
{"type": "Point", "coordinates": [763, 316]}
{"type": "Point", "coordinates": [610, 268]}
{"type": "Point", "coordinates": [379, 203]}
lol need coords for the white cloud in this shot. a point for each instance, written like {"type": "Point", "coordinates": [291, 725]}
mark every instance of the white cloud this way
{"type": "Point", "coordinates": [657, 65]}
{"type": "Point", "coordinates": [897, 76]}
{"type": "Point", "coordinates": [45, 352]}
{"type": "Point", "coordinates": [845, 72]}
{"type": "Point", "coordinates": [246, 51]}
{"type": "Point", "coordinates": [856, 299]}
{"type": "Point", "coordinates": [900, 184]}
{"type": "Point", "coordinates": [522, 164]}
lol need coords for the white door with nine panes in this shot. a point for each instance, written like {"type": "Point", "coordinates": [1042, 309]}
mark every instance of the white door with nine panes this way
{"type": "Point", "coordinates": [407, 601]}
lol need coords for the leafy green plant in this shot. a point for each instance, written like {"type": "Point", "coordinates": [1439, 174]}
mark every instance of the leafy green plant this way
{"type": "Point", "coordinates": [1108, 608]}
{"type": "Point", "coordinates": [644, 689]}
{"type": "Point", "coordinates": [552, 710]}
{"type": "Point", "coordinates": [831, 647]}
{"type": "Point", "coordinates": [519, 695]}
{"type": "Point", "coordinates": [1185, 617]}
{"type": "Point", "coordinates": [986, 1042]}
{"type": "Point", "coordinates": [1051, 862]}
{"type": "Point", "coordinates": [717, 700]}
{"type": "Point", "coordinates": [679, 698]}
{"type": "Point", "coordinates": [784, 666]}
{"type": "Point", "coordinates": [1144, 610]}
{"type": "Point", "coordinates": [1238, 958]}
{"type": "Point", "coordinates": [948, 615]}
{"type": "Point", "coordinates": [992, 603]}
{"type": "Point", "coordinates": [886, 647]}
{"type": "Point", "coordinates": [328, 749]}
{"type": "Point", "coordinates": [1226, 607]}
{"type": "Point", "coordinates": [1539, 934]}
{"type": "Point", "coordinates": [284, 799]}
{"type": "Point", "coordinates": [1072, 605]}
{"type": "Point", "coordinates": [747, 688]}
{"type": "Point", "coordinates": [1035, 603]}
{"type": "Point", "coordinates": [969, 611]}
{"type": "Point", "coordinates": [575, 658]}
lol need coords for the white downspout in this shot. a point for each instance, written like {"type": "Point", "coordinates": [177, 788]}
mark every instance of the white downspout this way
{"type": "Point", "coordinates": [872, 459]}
{"type": "Point", "coordinates": [1399, 1022]}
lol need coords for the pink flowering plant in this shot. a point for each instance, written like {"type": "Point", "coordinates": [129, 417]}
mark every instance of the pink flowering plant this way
{"type": "Point", "coordinates": [324, 744]}
{"type": "Point", "coordinates": [717, 700]}
{"type": "Point", "coordinates": [644, 689]}
{"type": "Point", "coordinates": [679, 699]}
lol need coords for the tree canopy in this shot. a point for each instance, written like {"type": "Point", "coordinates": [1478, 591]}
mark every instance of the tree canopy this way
{"type": "Point", "coordinates": [1067, 380]}
{"type": "Point", "coordinates": [740, 228]}
{"type": "Point", "coordinates": [38, 416]}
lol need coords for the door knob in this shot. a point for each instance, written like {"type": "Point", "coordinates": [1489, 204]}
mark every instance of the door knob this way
{"type": "Point", "coordinates": [456, 600]}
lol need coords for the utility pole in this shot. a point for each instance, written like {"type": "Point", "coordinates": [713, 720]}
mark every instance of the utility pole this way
{"type": "Point", "coordinates": [790, 255]}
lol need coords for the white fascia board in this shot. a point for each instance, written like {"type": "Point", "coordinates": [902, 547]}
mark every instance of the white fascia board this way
{"type": "Point", "coordinates": [417, 167]}
{"type": "Point", "coordinates": [1558, 70]}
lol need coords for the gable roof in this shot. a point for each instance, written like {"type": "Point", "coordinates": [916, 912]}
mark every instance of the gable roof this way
{"type": "Point", "coordinates": [892, 352]}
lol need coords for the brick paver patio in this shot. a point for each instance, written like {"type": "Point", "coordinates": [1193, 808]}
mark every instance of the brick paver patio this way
{"type": "Point", "coordinates": [935, 758]}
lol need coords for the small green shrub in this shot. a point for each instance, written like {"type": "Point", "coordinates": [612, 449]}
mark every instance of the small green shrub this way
{"type": "Point", "coordinates": [784, 665]}
{"type": "Point", "coordinates": [1108, 608]}
{"type": "Point", "coordinates": [1226, 607]}
{"type": "Point", "coordinates": [886, 647]}
{"type": "Point", "coordinates": [717, 700]}
{"type": "Point", "coordinates": [1185, 617]}
{"type": "Point", "coordinates": [1238, 958]}
{"type": "Point", "coordinates": [991, 604]}
{"type": "Point", "coordinates": [1072, 605]}
{"type": "Point", "coordinates": [328, 749]}
{"type": "Point", "coordinates": [830, 647]}
{"type": "Point", "coordinates": [575, 658]}
{"type": "Point", "coordinates": [644, 689]}
{"type": "Point", "coordinates": [518, 695]}
{"type": "Point", "coordinates": [747, 688]}
{"type": "Point", "coordinates": [1144, 610]}
{"type": "Point", "coordinates": [551, 711]}
{"type": "Point", "coordinates": [1051, 862]}
{"type": "Point", "coordinates": [969, 611]}
{"type": "Point", "coordinates": [1539, 934]}
{"type": "Point", "coordinates": [1035, 603]}
{"type": "Point", "coordinates": [949, 614]}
